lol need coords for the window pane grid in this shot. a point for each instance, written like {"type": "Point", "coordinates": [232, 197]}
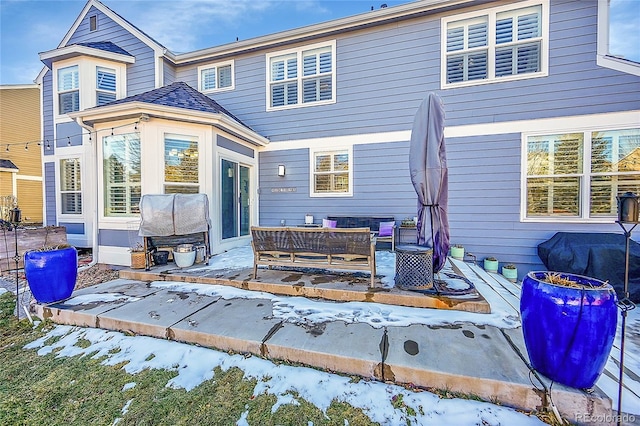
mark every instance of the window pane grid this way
{"type": "Point", "coordinates": [331, 172]}
{"type": "Point", "coordinates": [70, 186]}
{"type": "Point", "coordinates": [288, 87]}
{"type": "Point", "coordinates": [181, 162]}
{"type": "Point", "coordinates": [122, 174]}
{"type": "Point", "coordinates": [515, 46]}
{"type": "Point", "coordinates": [555, 175]}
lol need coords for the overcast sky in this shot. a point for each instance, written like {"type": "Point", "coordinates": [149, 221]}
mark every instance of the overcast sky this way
{"type": "Point", "coordinates": [29, 27]}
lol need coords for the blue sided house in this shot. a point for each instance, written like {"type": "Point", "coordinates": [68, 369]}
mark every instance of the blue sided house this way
{"type": "Point", "coordinates": [542, 123]}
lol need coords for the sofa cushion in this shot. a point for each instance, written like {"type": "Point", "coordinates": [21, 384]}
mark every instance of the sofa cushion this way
{"type": "Point", "coordinates": [386, 229]}
{"type": "Point", "coordinates": [326, 223]}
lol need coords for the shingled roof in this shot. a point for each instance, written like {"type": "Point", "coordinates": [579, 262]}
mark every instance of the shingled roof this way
{"type": "Point", "coordinates": [179, 95]}
{"type": "Point", "coordinates": [7, 164]}
{"type": "Point", "coordinates": [107, 46]}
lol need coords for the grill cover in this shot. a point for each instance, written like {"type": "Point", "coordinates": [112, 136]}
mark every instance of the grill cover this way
{"type": "Point", "coordinates": [163, 215]}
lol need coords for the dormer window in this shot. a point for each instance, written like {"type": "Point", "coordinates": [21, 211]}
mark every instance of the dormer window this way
{"type": "Point", "coordinates": [68, 90]}
{"type": "Point", "coordinates": [93, 23]}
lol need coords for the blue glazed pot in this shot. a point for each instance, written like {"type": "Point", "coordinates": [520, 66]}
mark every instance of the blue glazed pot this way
{"type": "Point", "coordinates": [51, 274]}
{"type": "Point", "coordinates": [568, 332]}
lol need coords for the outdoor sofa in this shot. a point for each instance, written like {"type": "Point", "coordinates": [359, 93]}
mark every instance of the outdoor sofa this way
{"type": "Point", "coordinates": [334, 248]}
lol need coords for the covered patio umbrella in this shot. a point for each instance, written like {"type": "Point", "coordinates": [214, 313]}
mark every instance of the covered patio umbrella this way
{"type": "Point", "coordinates": [428, 167]}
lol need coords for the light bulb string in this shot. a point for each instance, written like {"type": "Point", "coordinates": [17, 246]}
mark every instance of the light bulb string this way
{"type": "Point", "coordinates": [48, 143]}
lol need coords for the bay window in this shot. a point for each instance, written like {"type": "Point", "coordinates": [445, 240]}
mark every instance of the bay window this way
{"type": "Point", "coordinates": [70, 186]}
{"type": "Point", "coordinates": [105, 85]}
{"type": "Point", "coordinates": [121, 174]}
{"type": "Point", "coordinates": [68, 90]}
{"type": "Point", "coordinates": [181, 165]}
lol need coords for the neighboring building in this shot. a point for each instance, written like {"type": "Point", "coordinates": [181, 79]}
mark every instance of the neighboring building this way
{"type": "Point", "coordinates": [20, 151]}
{"type": "Point", "coordinates": [539, 116]}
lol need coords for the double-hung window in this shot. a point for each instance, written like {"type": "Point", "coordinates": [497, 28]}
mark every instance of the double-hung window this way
{"type": "Point", "coordinates": [70, 186]}
{"type": "Point", "coordinates": [579, 175]}
{"type": "Point", "coordinates": [216, 77]}
{"type": "Point", "coordinates": [494, 45]}
{"type": "Point", "coordinates": [121, 174]}
{"type": "Point", "coordinates": [303, 76]}
{"type": "Point", "coordinates": [331, 173]}
{"type": "Point", "coordinates": [181, 164]}
{"type": "Point", "coordinates": [105, 85]}
{"type": "Point", "coordinates": [68, 90]}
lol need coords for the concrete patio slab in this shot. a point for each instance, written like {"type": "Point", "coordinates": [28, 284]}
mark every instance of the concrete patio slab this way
{"type": "Point", "coordinates": [85, 305]}
{"type": "Point", "coordinates": [239, 325]}
{"type": "Point", "coordinates": [154, 314]}
{"type": "Point", "coordinates": [334, 346]}
{"type": "Point", "coordinates": [344, 287]}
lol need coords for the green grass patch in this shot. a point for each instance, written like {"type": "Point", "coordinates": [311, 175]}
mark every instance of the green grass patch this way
{"type": "Point", "coordinates": [37, 390]}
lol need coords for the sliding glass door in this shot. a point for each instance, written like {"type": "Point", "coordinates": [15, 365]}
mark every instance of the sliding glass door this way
{"type": "Point", "coordinates": [234, 203]}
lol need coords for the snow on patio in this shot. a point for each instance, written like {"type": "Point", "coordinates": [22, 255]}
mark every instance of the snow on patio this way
{"type": "Point", "coordinates": [196, 364]}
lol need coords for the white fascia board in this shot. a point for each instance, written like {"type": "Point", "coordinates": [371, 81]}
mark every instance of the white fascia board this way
{"type": "Point", "coordinates": [138, 109]}
{"type": "Point", "coordinates": [315, 31]}
{"type": "Point", "coordinates": [78, 50]}
{"type": "Point", "coordinates": [19, 86]}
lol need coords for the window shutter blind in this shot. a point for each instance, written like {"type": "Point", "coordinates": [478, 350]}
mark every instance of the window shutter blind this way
{"type": "Point", "coordinates": [106, 79]}
{"type": "Point", "coordinates": [504, 30]}
{"type": "Point", "coordinates": [208, 77]}
{"type": "Point", "coordinates": [69, 102]}
{"type": "Point", "coordinates": [477, 66]}
{"type": "Point", "coordinates": [455, 39]}
{"type": "Point", "coordinates": [292, 68]}
{"type": "Point", "coordinates": [477, 35]}
{"type": "Point", "coordinates": [224, 76]}
{"type": "Point", "coordinates": [309, 65]}
{"type": "Point", "coordinates": [68, 78]}
{"type": "Point", "coordinates": [325, 62]}
{"type": "Point", "coordinates": [528, 26]}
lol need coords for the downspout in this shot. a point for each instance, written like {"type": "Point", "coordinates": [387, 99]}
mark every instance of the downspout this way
{"type": "Point", "coordinates": [94, 247]}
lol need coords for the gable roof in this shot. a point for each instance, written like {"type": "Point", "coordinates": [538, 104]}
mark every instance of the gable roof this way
{"type": "Point", "coordinates": [100, 49]}
{"type": "Point", "coordinates": [179, 95]}
{"type": "Point", "coordinates": [158, 48]}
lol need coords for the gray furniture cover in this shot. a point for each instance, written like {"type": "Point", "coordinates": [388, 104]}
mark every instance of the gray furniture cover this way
{"type": "Point", "coordinates": [597, 255]}
{"type": "Point", "coordinates": [164, 215]}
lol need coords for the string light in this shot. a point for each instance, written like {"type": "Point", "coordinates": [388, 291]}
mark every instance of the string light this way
{"type": "Point", "coordinates": [47, 143]}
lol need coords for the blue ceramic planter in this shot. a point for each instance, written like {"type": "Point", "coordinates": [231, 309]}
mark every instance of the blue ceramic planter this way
{"type": "Point", "coordinates": [51, 274]}
{"type": "Point", "coordinates": [568, 332]}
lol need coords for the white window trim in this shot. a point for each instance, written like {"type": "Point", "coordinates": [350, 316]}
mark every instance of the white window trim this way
{"type": "Point", "coordinates": [77, 153]}
{"type": "Point", "coordinates": [491, 13]}
{"type": "Point", "coordinates": [603, 57]}
{"type": "Point", "coordinates": [298, 52]}
{"type": "Point", "coordinates": [332, 149]}
{"type": "Point", "coordinates": [583, 217]}
{"type": "Point", "coordinates": [87, 82]}
{"type": "Point", "coordinates": [217, 65]}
